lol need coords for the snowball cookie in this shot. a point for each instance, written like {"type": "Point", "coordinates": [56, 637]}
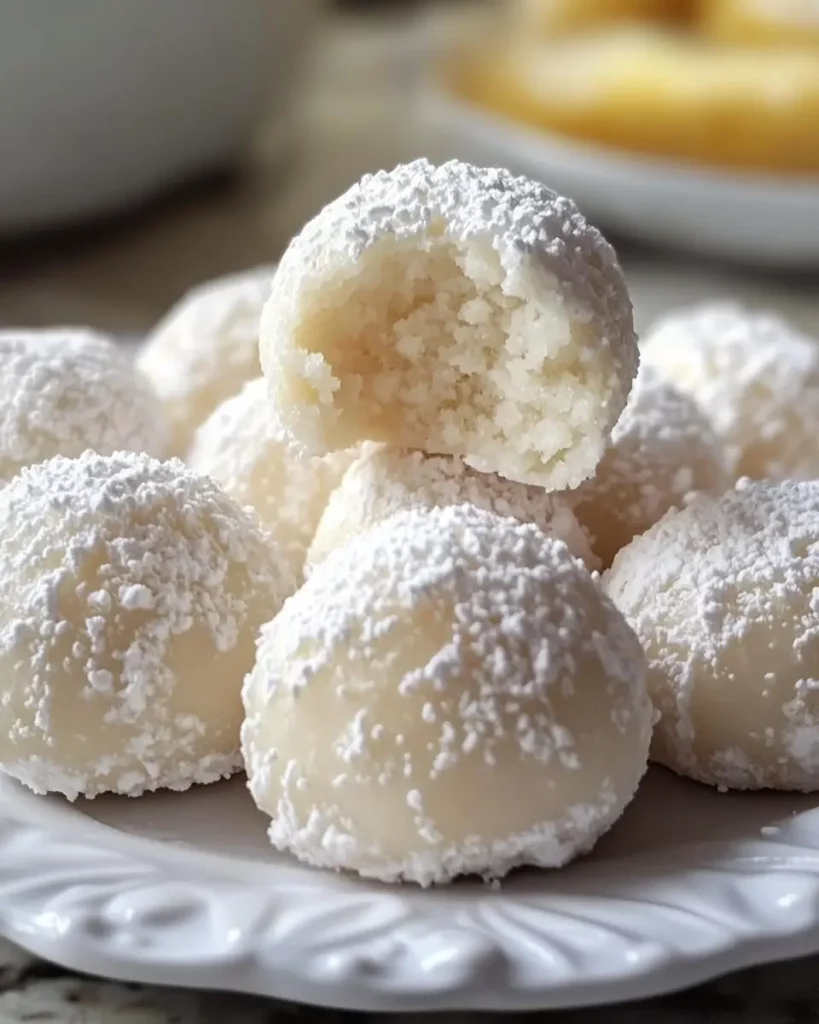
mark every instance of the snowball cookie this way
{"type": "Point", "coordinates": [132, 593]}
{"type": "Point", "coordinates": [453, 310]}
{"type": "Point", "coordinates": [756, 378]}
{"type": "Point", "coordinates": [387, 480]}
{"type": "Point", "coordinates": [725, 598]}
{"type": "Point", "coordinates": [206, 348]}
{"type": "Point", "coordinates": [242, 447]}
{"type": "Point", "coordinates": [64, 390]}
{"type": "Point", "coordinates": [450, 693]}
{"type": "Point", "coordinates": [662, 450]}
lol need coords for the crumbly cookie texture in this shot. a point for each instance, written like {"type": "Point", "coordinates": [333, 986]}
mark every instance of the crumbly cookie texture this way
{"type": "Point", "coordinates": [65, 390]}
{"type": "Point", "coordinates": [385, 480]}
{"type": "Point", "coordinates": [450, 693]}
{"type": "Point", "coordinates": [662, 451]}
{"type": "Point", "coordinates": [243, 448]}
{"type": "Point", "coordinates": [455, 310]}
{"type": "Point", "coordinates": [206, 349]}
{"type": "Point", "coordinates": [132, 594]}
{"type": "Point", "coordinates": [754, 376]}
{"type": "Point", "coordinates": [724, 596]}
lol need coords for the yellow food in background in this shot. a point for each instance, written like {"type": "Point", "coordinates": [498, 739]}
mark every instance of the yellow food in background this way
{"type": "Point", "coordinates": [659, 92]}
{"type": "Point", "coordinates": [569, 15]}
{"type": "Point", "coordinates": [761, 22]}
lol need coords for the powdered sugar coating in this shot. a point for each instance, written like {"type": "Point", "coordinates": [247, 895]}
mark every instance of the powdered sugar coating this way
{"type": "Point", "coordinates": [132, 594]}
{"type": "Point", "coordinates": [243, 448]}
{"type": "Point", "coordinates": [206, 348]}
{"type": "Point", "coordinates": [450, 693]}
{"type": "Point", "coordinates": [455, 310]}
{"type": "Point", "coordinates": [724, 596]}
{"type": "Point", "coordinates": [755, 377]}
{"type": "Point", "coordinates": [65, 390]}
{"type": "Point", "coordinates": [384, 480]}
{"type": "Point", "coordinates": [662, 450]}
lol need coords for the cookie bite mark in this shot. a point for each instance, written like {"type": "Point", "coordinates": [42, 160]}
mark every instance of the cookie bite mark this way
{"type": "Point", "coordinates": [454, 310]}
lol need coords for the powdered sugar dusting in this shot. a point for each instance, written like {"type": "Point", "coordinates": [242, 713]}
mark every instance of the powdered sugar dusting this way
{"type": "Point", "coordinates": [243, 447]}
{"type": "Point", "coordinates": [757, 379]}
{"type": "Point", "coordinates": [534, 230]}
{"type": "Point", "coordinates": [663, 449]}
{"type": "Point", "coordinates": [43, 776]}
{"type": "Point", "coordinates": [724, 597]}
{"type": "Point", "coordinates": [65, 390]}
{"type": "Point", "coordinates": [126, 581]}
{"type": "Point", "coordinates": [444, 652]}
{"type": "Point", "coordinates": [455, 310]}
{"type": "Point", "coordinates": [206, 348]}
{"type": "Point", "coordinates": [386, 480]}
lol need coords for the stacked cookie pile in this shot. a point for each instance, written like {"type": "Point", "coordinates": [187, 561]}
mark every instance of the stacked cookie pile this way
{"type": "Point", "coordinates": [343, 524]}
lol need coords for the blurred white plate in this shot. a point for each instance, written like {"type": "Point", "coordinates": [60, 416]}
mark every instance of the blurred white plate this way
{"type": "Point", "coordinates": [183, 889]}
{"type": "Point", "coordinates": [752, 218]}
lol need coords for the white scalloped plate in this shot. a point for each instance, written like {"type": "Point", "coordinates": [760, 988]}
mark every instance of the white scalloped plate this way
{"type": "Point", "coordinates": [751, 218]}
{"type": "Point", "coordinates": [183, 889]}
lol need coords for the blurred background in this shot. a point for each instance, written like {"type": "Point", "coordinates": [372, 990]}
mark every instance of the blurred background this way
{"type": "Point", "coordinates": [146, 147]}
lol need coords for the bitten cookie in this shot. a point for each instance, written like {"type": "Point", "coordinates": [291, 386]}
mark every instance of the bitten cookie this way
{"type": "Point", "coordinates": [454, 310]}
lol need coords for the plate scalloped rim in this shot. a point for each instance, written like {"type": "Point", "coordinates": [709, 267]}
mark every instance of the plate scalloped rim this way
{"type": "Point", "coordinates": [615, 927]}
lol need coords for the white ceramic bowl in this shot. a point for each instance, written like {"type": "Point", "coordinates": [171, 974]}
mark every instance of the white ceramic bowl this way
{"type": "Point", "coordinates": [102, 104]}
